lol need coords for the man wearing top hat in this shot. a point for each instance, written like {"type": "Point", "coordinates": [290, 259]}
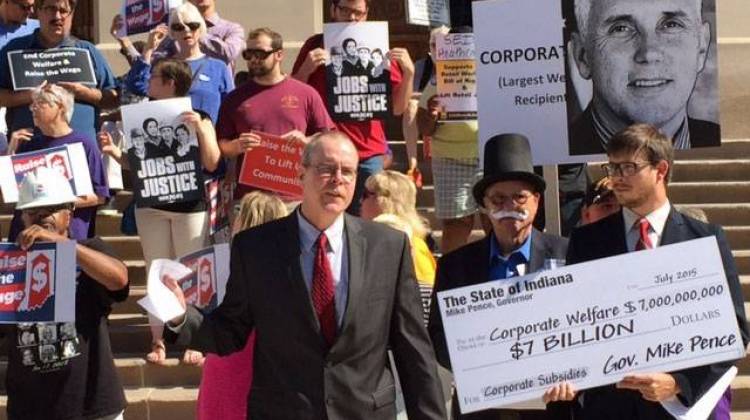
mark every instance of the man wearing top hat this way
{"type": "Point", "coordinates": [509, 195]}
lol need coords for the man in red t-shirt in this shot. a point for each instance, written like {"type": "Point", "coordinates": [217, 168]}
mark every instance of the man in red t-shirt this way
{"type": "Point", "coordinates": [368, 136]}
{"type": "Point", "coordinates": [269, 102]}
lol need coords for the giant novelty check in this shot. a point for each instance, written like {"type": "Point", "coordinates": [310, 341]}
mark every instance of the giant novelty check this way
{"type": "Point", "coordinates": [590, 324]}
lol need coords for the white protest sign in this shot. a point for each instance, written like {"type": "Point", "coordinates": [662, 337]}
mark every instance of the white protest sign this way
{"type": "Point", "coordinates": [456, 77]}
{"type": "Point", "coordinates": [590, 324]}
{"type": "Point", "coordinates": [521, 75]}
{"type": "Point", "coordinates": [70, 160]}
{"type": "Point", "coordinates": [159, 300]}
{"type": "Point", "coordinates": [428, 12]}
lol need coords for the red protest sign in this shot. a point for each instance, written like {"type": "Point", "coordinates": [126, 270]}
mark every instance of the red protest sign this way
{"type": "Point", "coordinates": [273, 166]}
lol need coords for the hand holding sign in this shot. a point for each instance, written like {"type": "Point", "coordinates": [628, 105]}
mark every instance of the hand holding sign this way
{"type": "Point", "coordinates": [652, 386]}
{"type": "Point", "coordinates": [245, 142]}
{"type": "Point", "coordinates": [295, 136]}
{"type": "Point", "coordinates": [172, 285]}
{"type": "Point", "coordinates": [564, 391]}
{"type": "Point", "coordinates": [108, 146]}
{"type": "Point", "coordinates": [118, 24]}
{"type": "Point", "coordinates": [402, 57]}
{"type": "Point", "coordinates": [156, 36]}
{"type": "Point", "coordinates": [314, 59]}
{"type": "Point", "coordinates": [19, 136]}
{"type": "Point", "coordinates": [82, 92]}
{"type": "Point", "coordinates": [37, 233]}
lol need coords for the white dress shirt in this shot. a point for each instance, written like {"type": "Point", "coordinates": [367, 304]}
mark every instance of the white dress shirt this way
{"type": "Point", "coordinates": [657, 219]}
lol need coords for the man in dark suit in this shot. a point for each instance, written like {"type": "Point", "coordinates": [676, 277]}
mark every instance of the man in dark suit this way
{"type": "Point", "coordinates": [509, 194]}
{"type": "Point", "coordinates": [643, 59]}
{"type": "Point", "coordinates": [328, 295]}
{"type": "Point", "coordinates": [640, 162]}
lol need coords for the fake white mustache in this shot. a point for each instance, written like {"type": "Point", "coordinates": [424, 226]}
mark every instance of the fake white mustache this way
{"type": "Point", "coordinates": [508, 214]}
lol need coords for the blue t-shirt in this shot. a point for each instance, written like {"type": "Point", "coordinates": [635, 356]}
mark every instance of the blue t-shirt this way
{"type": "Point", "coordinates": [212, 81]}
{"type": "Point", "coordinates": [9, 32]}
{"type": "Point", "coordinates": [85, 116]}
{"type": "Point", "coordinates": [82, 218]}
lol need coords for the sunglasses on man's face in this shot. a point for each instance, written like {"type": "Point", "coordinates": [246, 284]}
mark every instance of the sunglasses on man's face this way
{"type": "Point", "coordinates": [256, 53]}
{"type": "Point", "coordinates": [179, 27]}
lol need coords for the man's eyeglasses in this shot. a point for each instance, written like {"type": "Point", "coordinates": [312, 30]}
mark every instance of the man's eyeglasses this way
{"type": "Point", "coordinates": [500, 200]}
{"type": "Point", "coordinates": [179, 27]}
{"type": "Point", "coordinates": [624, 168]}
{"type": "Point", "coordinates": [348, 11]}
{"type": "Point", "coordinates": [53, 10]}
{"type": "Point", "coordinates": [348, 175]}
{"type": "Point", "coordinates": [257, 54]}
{"type": "Point", "coordinates": [28, 8]}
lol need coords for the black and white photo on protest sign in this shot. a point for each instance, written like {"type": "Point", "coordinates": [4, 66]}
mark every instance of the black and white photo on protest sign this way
{"type": "Point", "coordinates": [31, 68]}
{"type": "Point", "coordinates": [162, 152]}
{"type": "Point", "coordinates": [641, 62]}
{"type": "Point", "coordinates": [569, 89]}
{"type": "Point", "coordinates": [428, 12]}
{"type": "Point", "coordinates": [358, 72]}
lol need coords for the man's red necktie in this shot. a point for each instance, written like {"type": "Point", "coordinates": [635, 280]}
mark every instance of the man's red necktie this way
{"type": "Point", "coordinates": [323, 291]}
{"type": "Point", "coordinates": [644, 242]}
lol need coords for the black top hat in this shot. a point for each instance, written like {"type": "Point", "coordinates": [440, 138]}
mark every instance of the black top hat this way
{"type": "Point", "coordinates": [507, 157]}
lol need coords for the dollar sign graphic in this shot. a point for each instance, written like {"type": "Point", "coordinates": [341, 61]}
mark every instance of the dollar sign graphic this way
{"type": "Point", "coordinates": [515, 351]}
{"type": "Point", "coordinates": [629, 307]}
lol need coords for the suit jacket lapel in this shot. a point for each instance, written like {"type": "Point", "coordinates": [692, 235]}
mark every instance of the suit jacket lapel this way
{"type": "Point", "coordinates": [673, 228]}
{"type": "Point", "coordinates": [477, 267]}
{"type": "Point", "coordinates": [357, 246]}
{"type": "Point", "coordinates": [289, 252]}
{"type": "Point", "coordinates": [539, 252]}
{"type": "Point", "coordinates": [619, 244]}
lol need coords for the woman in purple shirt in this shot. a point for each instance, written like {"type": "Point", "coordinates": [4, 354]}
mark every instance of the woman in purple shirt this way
{"type": "Point", "coordinates": [52, 110]}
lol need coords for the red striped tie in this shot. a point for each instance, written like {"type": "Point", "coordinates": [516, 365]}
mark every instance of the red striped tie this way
{"type": "Point", "coordinates": [323, 292]}
{"type": "Point", "coordinates": [644, 242]}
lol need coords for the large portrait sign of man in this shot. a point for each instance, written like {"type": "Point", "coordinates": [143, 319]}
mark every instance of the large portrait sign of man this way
{"type": "Point", "coordinates": [646, 61]}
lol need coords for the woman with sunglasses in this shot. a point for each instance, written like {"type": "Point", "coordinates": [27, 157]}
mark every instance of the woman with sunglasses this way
{"type": "Point", "coordinates": [173, 230]}
{"type": "Point", "coordinates": [212, 79]}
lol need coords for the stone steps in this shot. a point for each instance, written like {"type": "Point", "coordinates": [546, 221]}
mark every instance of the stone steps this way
{"type": "Point", "coordinates": [135, 372]}
{"type": "Point", "coordinates": [174, 403]}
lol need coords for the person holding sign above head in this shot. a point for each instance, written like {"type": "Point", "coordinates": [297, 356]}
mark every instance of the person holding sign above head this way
{"type": "Point", "coordinates": [177, 229]}
{"type": "Point", "coordinates": [368, 135]}
{"type": "Point", "coordinates": [270, 102]}
{"type": "Point", "coordinates": [52, 111]}
{"type": "Point", "coordinates": [55, 21]}
{"type": "Point", "coordinates": [640, 163]}
{"type": "Point", "coordinates": [643, 59]}
{"type": "Point", "coordinates": [74, 374]}
{"type": "Point", "coordinates": [328, 295]}
{"type": "Point", "coordinates": [508, 194]}
{"type": "Point", "coordinates": [212, 79]}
